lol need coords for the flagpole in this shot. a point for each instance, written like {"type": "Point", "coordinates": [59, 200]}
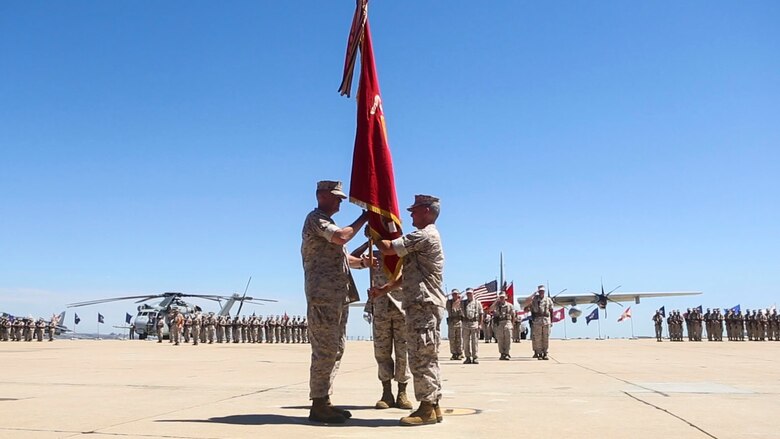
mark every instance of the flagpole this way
{"type": "Point", "coordinates": [501, 271]}
{"type": "Point", "coordinates": [599, 322]}
{"type": "Point", "coordinates": [565, 337]}
{"type": "Point", "coordinates": [632, 328]}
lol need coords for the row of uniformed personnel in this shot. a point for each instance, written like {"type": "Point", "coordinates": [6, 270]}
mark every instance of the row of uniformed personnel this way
{"type": "Point", "coordinates": [758, 325]}
{"type": "Point", "coordinates": [208, 328]}
{"type": "Point", "coordinates": [27, 329]}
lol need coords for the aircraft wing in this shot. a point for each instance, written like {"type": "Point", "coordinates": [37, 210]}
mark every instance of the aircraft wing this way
{"type": "Point", "coordinates": [578, 299]}
{"type": "Point", "coordinates": [634, 297]}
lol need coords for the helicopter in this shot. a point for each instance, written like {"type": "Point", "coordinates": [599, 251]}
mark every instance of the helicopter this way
{"type": "Point", "coordinates": [147, 316]}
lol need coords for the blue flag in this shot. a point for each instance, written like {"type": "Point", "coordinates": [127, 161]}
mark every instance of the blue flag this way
{"type": "Point", "coordinates": [127, 318]}
{"type": "Point", "coordinates": [100, 318]}
{"type": "Point", "coordinates": [699, 308]}
{"type": "Point", "coordinates": [662, 310]}
{"type": "Point", "coordinates": [594, 315]}
{"type": "Point", "coordinates": [76, 319]}
{"type": "Point", "coordinates": [735, 309]}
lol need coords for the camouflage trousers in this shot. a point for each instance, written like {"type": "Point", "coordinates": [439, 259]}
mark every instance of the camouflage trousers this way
{"type": "Point", "coordinates": [541, 336]}
{"type": "Point", "coordinates": [423, 321]}
{"type": "Point", "coordinates": [659, 332]}
{"type": "Point", "coordinates": [328, 332]}
{"type": "Point", "coordinates": [487, 329]}
{"type": "Point", "coordinates": [389, 336]}
{"type": "Point", "coordinates": [455, 334]}
{"type": "Point", "coordinates": [471, 339]}
{"type": "Point", "coordinates": [175, 334]}
{"type": "Point", "coordinates": [504, 337]}
{"type": "Point", "coordinates": [195, 334]}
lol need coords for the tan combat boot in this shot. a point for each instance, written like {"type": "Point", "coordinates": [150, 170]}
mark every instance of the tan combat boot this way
{"type": "Point", "coordinates": [422, 416]}
{"type": "Point", "coordinates": [321, 412]}
{"type": "Point", "coordinates": [345, 413]}
{"type": "Point", "coordinates": [437, 411]}
{"type": "Point", "coordinates": [402, 401]}
{"type": "Point", "coordinates": [387, 400]}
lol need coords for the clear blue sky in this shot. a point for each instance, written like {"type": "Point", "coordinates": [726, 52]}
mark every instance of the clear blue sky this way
{"type": "Point", "coordinates": [149, 147]}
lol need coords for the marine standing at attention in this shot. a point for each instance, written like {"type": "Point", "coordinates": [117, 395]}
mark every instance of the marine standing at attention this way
{"type": "Point", "coordinates": [423, 300]}
{"type": "Point", "coordinates": [388, 320]}
{"type": "Point", "coordinates": [541, 310]}
{"type": "Point", "coordinates": [472, 320]}
{"type": "Point", "coordinates": [455, 325]}
{"type": "Point", "coordinates": [329, 290]}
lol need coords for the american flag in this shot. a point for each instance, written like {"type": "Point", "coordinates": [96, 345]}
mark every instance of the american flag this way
{"type": "Point", "coordinates": [487, 293]}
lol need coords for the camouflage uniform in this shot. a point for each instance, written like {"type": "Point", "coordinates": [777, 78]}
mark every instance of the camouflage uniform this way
{"type": "Point", "coordinates": [503, 316]}
{"type": "Point", "coordinates": [455, 326]}
{"type": "Point", "coordinates": [389, 330]}
{"type": "Point", "coordinates": [541, 310]}
{"type": "Point", "coordinates": [424, 301]}
{"type": "Point", "coordinates": [328, 286]}
{"type": "Point", "coordinates": [159, 326]}
{"type": "Point", "coordinates": [472, 316]}
{"type": "Point", "coordinates": [211, 326]}
{"type": "Point", "coordinates": [4, 328]}
{"type": "Point", "coordinates": [487, 328]}
{"type": "Point", "coordinates": [658, 319]}
{"type": "Point", "coordinates": [196, 325]}
{"type": "Point", "coordinates": [40, 326]}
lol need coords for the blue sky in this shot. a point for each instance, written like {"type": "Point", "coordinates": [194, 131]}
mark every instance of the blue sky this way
{"type": "Point", "coordinates": [150, 147]}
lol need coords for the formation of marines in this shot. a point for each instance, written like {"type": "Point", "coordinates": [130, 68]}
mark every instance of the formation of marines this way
{"type": "Point", "coordinates": [27, 328]}
{"type": "Point", "coordinates": [758, 325]}
{"type": "Point", "coordinates": [208, 328]}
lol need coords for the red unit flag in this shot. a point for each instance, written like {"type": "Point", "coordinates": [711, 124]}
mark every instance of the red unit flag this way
{"type": "Point", "coordinates": [372, 186]}
{"type": "Point", "coordinates": [558, 315]}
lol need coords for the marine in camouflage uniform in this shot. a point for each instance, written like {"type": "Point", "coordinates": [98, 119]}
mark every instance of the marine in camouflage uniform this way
{"type": "Point", "coordinates": [389, 331]}
{"type": "Point", "coordinates": [329, 290]}
{"type": "Point", "coordinates": [541, 311]}
{"type": "Point", "coordinates": [197, 322]}
{"type": "Point", "coordinates": [424, 301]}
{"type": "Point", "coordinates": [5, 326]}
{"type": "Point", "coordinates": [159, 325]}
{"type": "Point", "coordinates": [455, 325]}
{"type": "Point", "coordinates": [658, 320]}
{"type": "Point", "coordinates": [472, 320]}
{"type": "Point", "coordinates": [503, 316]}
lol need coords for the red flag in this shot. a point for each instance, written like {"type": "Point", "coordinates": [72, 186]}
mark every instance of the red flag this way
{"type": "Point", "coordinates": [510, 293]}
{"type": "Point", "coordinates": [558, 315]}
{"type": "Point", "coordinates": [626, 314]}
{"type": "Point", "coordinates": [373, 184]}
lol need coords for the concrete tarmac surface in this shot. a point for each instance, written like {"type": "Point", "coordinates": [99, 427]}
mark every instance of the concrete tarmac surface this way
{"type": "Point", "coordinates": [101, 389]}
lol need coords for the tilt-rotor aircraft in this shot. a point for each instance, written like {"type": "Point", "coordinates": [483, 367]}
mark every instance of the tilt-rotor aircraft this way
{"type": "Point", "coordinates": [148, 315]}
{"type": "Point", "coordinates": [58, 330]}
{"type": "Point", "coordinates": [603, 298]}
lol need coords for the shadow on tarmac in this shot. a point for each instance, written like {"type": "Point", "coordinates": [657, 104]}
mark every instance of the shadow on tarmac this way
{"type": "Point", "coordinates": [285, 420]}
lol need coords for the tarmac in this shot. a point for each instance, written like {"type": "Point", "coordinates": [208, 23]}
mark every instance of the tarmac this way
{"type": "Point", "coordinates": [108, 389]}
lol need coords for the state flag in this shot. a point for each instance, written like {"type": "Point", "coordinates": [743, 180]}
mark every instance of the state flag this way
{"type": "Point", "coordinates": [127, 318]}
{"type": "Point", "coordinates": [76, 319]}
{"type": "Point", "coordinates": [558, 315]}
{"type": "Point", "coordinates": [662, 310]}
{"type": "Point", "coordinates": [100, 318]}
{"type": "Point", "coordinates": [626, 315]}
{"type": "Point", "coordinates": [594, 315]}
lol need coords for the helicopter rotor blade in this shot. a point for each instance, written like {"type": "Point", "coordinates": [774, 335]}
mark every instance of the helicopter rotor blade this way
{"type": "Point", "coordinates": [112, 299]}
